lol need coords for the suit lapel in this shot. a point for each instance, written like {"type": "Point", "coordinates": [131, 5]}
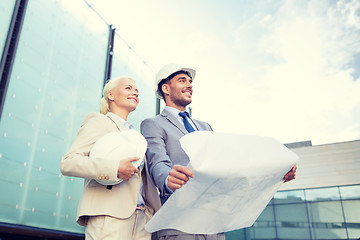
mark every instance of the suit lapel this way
{"type": "Point", "coordinates": [116, 120]}
{"type": "Point", "coordinates": [166, 114]}
{"type": "Point", "coordinates": [198, 126]}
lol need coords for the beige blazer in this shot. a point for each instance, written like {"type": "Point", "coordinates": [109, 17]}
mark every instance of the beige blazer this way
{"type": "Point", "coordinates": [120, 201]}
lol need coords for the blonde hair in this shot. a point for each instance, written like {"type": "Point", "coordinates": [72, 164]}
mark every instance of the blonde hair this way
{"type": "Point", "coordinates": [110, 85]}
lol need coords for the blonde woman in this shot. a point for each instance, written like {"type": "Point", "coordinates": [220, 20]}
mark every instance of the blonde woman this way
{"type": "Point", "coordinates": [117, 211]}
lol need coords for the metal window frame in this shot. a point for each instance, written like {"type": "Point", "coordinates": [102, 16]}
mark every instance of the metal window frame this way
{"type": "Point", "coordinates": [110, 52]}
{"type": "Point", "coordinates": [27, 232]}
{"type": "Point", "coordinates": [10, 48]}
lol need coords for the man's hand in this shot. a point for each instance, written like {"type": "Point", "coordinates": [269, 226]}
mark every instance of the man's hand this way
{"type": "Point", "coordinates": [126, 169]}
{"type": "Point", "coordinates": [290, 175]}
{"type": "Point", "coordinates": [178, 176]}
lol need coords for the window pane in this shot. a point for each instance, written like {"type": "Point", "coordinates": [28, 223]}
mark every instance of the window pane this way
{"type": "Point", "coordinates": [352, 217]}
{"type": "Point", "coordinates": [330, 232]}
{"type": "Point", "coordinates": [289, 197]}
{"type": "Point", "coordinates": [264, 227]}
{"type": "Point", "coordinates": [267, 214]}
{"type": "Point", "coordinates": [263, 233]}
{"type": "Point", "coordinates": [350, 192]}
{"type": "Point", "coordinates": [326, 212]}
{"type": "Point", "coordinates": [237, 234]}
{"type": "Point", "coordinates": [327, 220]}
{"type": "Point", "coordinates": [6, 11]}
{"type": "Point", "coordinates": [322, 194]}
{"type": "Point", "coordinates": [292, 221]}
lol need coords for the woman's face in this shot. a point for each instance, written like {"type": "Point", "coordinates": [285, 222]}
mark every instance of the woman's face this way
{"type": "Point", "coordinates": [124, 97]}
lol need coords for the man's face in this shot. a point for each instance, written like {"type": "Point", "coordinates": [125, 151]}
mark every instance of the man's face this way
{"type": "Point", "coordinates": [178, 91]}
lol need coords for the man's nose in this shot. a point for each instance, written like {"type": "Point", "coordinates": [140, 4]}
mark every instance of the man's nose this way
{"type": "Point", "coordinates": [189, 84]}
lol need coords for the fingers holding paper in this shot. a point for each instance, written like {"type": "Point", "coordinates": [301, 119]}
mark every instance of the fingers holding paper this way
{"type": "Point", "coordinates": [178, 176]}
{"type": "Point", "coordinates": [290, 175]}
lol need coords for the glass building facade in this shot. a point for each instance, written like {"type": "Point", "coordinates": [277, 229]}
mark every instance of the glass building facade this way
{"type": "Point", "coordinates": [321, 213]}
{"type": "Point", "coordinates": [56, 79]}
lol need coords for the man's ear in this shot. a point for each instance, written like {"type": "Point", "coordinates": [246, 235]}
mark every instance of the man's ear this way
{"type": "Point", "coordinates": [165, 88]}
{"type": "Point", "coordinates": [110, 96]}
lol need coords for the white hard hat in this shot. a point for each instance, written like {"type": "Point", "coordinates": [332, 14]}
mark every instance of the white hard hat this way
{"type": "Point", "coordinates": [166, 71]}
{"type": "Point", "coordinates": [118, 145]}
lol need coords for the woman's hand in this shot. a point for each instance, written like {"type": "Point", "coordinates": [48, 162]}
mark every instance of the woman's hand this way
{"type": "Point", "coordinates": [126, 169]}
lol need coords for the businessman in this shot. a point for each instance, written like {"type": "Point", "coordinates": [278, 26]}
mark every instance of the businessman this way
{"type": "Point", "coordinates": [166, 159]}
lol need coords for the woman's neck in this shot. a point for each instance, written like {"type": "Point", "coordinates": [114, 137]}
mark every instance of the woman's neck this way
{"type": "Point", "coordinates": [121, 113]}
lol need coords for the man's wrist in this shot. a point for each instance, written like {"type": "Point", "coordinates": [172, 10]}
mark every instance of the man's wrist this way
{"type": "Point", "coordinates": [166, 186]}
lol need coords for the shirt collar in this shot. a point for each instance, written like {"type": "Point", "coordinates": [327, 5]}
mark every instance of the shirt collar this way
{"type": "Point", "coordinates": [124, 122]}
{"type": "Point", "coordinates": [172, 111]}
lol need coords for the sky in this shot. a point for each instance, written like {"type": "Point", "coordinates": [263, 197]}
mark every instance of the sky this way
{"type": "Point", "coordinates": [283, 69]}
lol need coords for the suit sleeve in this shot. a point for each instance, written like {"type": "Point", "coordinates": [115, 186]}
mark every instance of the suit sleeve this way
{"type": "Point", "coordinates": [158, 161]}
{"type": "Point", "coordinates": [77, 163]}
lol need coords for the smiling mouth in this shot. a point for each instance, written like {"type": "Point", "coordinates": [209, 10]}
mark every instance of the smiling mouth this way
{"type": "Point", "coordinates": [133, 99]}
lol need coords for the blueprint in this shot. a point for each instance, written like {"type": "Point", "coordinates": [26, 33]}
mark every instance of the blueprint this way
{"type": "Point", "coordinates": [235, 178]}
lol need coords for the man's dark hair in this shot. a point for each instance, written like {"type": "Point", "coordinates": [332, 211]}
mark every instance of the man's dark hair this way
{"type": "Point", "coordinates": [163, 81]}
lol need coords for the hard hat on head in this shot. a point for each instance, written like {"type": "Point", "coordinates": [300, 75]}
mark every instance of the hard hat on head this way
{"type": "Point", "coordinates": [167, 71]}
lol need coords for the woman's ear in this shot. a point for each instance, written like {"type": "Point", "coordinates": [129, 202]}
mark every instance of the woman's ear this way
{"type": "Point", "coordinates": [110, 96]}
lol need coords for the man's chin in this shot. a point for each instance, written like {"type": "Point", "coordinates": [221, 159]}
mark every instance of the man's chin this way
{"type": "Point", "coordinates": [184, 102]}
{"type": "Point", "coordinates": [188, 101]}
